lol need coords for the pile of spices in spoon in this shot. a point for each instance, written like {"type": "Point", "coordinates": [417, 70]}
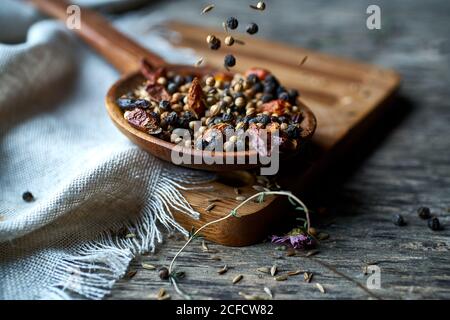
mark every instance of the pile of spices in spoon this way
{"type": "Point", "coordinates": [219, 107]}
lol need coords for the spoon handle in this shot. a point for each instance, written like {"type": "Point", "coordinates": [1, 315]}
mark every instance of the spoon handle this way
{"type": "Point", "coordinates": [122, 52]}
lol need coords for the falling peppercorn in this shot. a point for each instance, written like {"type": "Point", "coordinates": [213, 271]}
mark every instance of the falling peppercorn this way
{"type": "Point", "coordinates": [27, 196]}
{"type": "Point", "coordinates": [434, 224]}
{"type": "Point", "coordinates": [229, 61]}
{"type": "Point", "coordinates": [232, 23]}
{"type": "Point", "coordinates": [215, 44]}
{"type": "Point", "coordinates": [164, 273]}
{"type": "Point", "coordinates": [399, 221]}
{"type": "Point", "coordinates": [424, 213]}
{"type": "Point", "coordinates": [252, 28]}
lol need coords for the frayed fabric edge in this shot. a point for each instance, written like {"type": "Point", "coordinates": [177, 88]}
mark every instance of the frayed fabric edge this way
{"type": "Point", "coordinates": [96, 265]}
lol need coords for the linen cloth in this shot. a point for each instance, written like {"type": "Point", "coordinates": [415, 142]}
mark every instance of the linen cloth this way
{"type": "Point", "coordinates": [89, 181]}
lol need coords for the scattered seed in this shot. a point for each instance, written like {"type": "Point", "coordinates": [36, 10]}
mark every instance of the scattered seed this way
{"type": "Point", "coordinates": [164, 273]}
{"type": "Point", "coordinates": [210, 207]}
{"type": "Point", "coordinates": [269, 292]}
{"type": "Point", "coordinates": [250, 296]}
{"type": "Point", "coordinates": [273, 270]}
{"type": "Point", "coordinates": [237, 191]}
{"type": "Point", "coordinates": [240, 198]}
{"type": "Point", "coordinates": [208, 9]}
{"type": "Point", "coordinates": [320, 287]}
{"type": "Point", "coordinates": [241, 42]}
{"type": "Point", "coordinates": [199, 62]}
{"type": "Point", "coordinates": [165, 297]}
{"type": "Point", "coordinates": [312, 253]}
{"type": "Point", "coordinates": [307, 276]}
{"type": "Point", "coordinates": [237, 278]}
{"type": "Point", "coordinates": [424, 213]}
{"type": "Point", "coordinates": [223, 270]}
{"type": "Point", "coordinates": [399, 220]}
{"type": "Point", "coordinates": [312, 231]}
{"type": "Point", "coordinates": [323, 236]}
{"type": "Point", "coordinates": [130, 235]}
{"type": "Point", "coordinates": [281, 278]}
{"type": "Point", "coordinates": [263, 270]}
{"type": "Point", "coordinates": [130, 274]}
{"type": "Point", "coordinates": [294, 273]}
{"type": "Point", "coordinates": [204, 247]}
{"type": "Point", "coordinates": [290, 252]}
{"type": "Point", "coordinates": [27, 196]}
{"type": "Point", "coordinates": [148, 266]}
{"type": "Point", "coordinates": [161, 293]}
{"type": "Point", "coordinates": [303, 61]}
{"type": "Point", "coordinates": [434, 224]}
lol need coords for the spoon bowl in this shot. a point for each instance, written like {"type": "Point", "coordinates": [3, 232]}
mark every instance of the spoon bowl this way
{"type": "Point", "coordinates": [163, 149]}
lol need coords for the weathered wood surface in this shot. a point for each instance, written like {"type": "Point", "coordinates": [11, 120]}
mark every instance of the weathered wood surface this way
{"type": "Point", "coordinates": [404, 165]}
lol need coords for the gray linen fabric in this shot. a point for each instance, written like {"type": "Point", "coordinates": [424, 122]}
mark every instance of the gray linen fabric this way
{"type": "Point", "coordinates": [89, 181]}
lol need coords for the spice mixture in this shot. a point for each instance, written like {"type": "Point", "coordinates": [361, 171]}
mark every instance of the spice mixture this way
{"type": "Point", "coordinates": [225, 105]}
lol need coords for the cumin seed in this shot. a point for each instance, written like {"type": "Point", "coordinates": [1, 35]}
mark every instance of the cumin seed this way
{"type": "Point", "coordinates": [237, 278]}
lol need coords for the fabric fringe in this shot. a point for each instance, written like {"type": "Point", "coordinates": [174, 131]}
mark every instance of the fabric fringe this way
{"type": "Point", "coordinates": [95, 266]}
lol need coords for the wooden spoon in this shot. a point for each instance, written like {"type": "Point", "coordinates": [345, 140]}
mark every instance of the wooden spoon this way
{"type": "Point", "coordinates": [126, 56]}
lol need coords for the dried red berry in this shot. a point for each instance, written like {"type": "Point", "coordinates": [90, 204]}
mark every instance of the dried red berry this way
{"type": "Point", "coordinates": [141, 120]}
{"type": "Point", "coordinates": [259, 72]}
{"type": "Point", "coordinates": [195, 98]}
{"type": "Point", "coordinates": [158, 93]}
{"type": "Point", "coordinates": [279, 107]}
{"type": "Point", "coordinates": [150, 73]}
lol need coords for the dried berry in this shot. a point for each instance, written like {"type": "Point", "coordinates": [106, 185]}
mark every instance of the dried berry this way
{"type": "Point", "coordinates": [164, 273]}
{"type": "Point", "coordinates": [424, 213]}
{"type": "Point", "coordinates": [27, 196]}
{"type": "Point", "coordinates": [434, 224]}
{"type": "Point", "coordinates": [232, 23]}
{"type": "Point", "coordinates": [150, 73]}
{"type": "Point", "coordinates": [195, 98]}
{"type": "Point", "coordinates": [157, 93]}
{"type": "Point", "coordinates": [293, 131]}
{"type": "Point", "coordinates": [126, 103]}
{"type": "Point", "coordinates": [399, 221]}
{"type": "Point", "coordinates": [172, 118]}
{"type": "Point", "coordinates": [252, 28]}
{"type": "Point", "coordinates": [229, 61]}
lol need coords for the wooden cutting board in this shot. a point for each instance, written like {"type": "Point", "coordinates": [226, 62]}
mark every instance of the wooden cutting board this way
{"type": "Point", "coordinates": [347, 97]}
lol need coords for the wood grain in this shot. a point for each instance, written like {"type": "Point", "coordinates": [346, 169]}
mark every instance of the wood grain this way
{"type": "Point", "coordinates": [401, 166]}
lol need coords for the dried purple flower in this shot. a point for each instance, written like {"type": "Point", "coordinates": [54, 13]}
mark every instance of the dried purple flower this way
{"type": "Point", "coordinates": [296, 239]}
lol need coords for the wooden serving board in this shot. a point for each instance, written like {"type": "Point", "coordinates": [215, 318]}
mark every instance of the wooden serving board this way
{"type": "Point", "coordinates": [347, 97]}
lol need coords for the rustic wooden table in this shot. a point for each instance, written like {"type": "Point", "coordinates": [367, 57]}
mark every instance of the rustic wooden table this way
{"type": "Point", "coordinates": [404, 165]}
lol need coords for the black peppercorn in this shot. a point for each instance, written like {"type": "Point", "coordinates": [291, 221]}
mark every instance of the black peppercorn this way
{"type": "Point", "coordinates": [434, 224]}
{"type": "Point", "coordinates": [293, 131]}
{"type": "Point", "coordinates": [424, 213]}
{"type": "Point", "coordinates": [227, 117]}
{"type": "Point", "coordinates": [252, 28]}
{"type": "Point", "coordinates": [178, 80]}
{"type": "Point", "coordinates": [258, 87]}
{"type": "Point", "coordinates": [27, 196]}
{"type": "Point", "coordinates": [164, 273]}
{"type": "Point", "coordinates": [215, 44]}
{"type": "Point", "coordinates": [399, 221]}
{"type": "Point", "coordinates": [229, 61]}
{"type": "Point", "coordinates": [172, 88]}
{"type": "Point", "coordinates": [164, 105]}
{"type": "Point", "coordinates": [252, 78]}
{"type": "Point", "coordinates": [172, 118]}
{"type": "Point", "coordinates": [270, 87]}
{"type": "Point", "coordinates": [284, 96]}
{"type": "Point", "coordinates": [263, 119]}
{"type": "Point", "coordinates": [266, 98]}
{"type": "Point", "coordinates": [232, 23]}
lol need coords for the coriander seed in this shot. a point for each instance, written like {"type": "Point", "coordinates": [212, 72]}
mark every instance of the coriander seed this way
{"type": "Point", "coordinates": [252, 28]}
